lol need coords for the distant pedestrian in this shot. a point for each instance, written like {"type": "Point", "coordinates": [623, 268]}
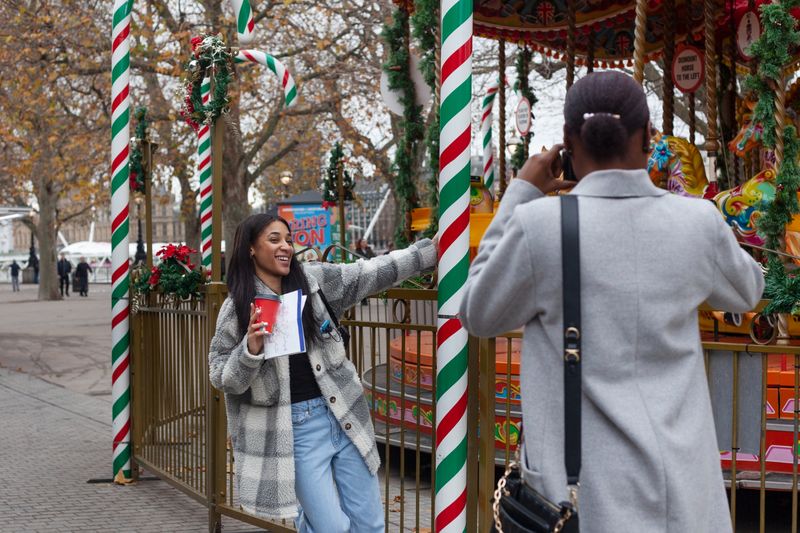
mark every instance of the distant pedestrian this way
{"type": "Point", "coordinates": [33, 262]}
{"type": "Point", "coordinates": [64, 270]}
{"type": "Point", "coordinates": [364, 249]}
{"type": "Point", "coordinates": [14, 276]}
{"type": "Point", "coordinates": [82, 275]}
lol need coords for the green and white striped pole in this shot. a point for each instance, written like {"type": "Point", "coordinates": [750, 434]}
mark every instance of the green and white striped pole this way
{"type": "Point", "coordinates": [277, 68]}
{"type": "Point", "coordinates": [486, 135]}
{"type": "Point", "coordinates": [120, 276]}
{"type": "Point", "coordinates": [204, 174]}
{"type": "Point", "coordinates": [455, 137]}
{"type": "Point", "coordinates": [245, 25]}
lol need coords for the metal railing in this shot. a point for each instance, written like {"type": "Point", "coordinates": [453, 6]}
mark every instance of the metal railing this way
{"type": "Point", "coordinates": [180, 430]}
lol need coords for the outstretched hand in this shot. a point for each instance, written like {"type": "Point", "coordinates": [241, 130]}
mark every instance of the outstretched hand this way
{"type": "Point", "coordinates": [542, 170]}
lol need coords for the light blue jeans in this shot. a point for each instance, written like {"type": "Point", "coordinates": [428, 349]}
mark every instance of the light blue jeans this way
{"type": "Point", "coordinates": [336, 492]}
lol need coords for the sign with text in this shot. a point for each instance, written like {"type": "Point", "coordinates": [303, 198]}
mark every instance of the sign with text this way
{"type": "Point", "coordinates": [747, 32]}
{"type": "Point", "coordinates": [688, 69]}
{"type": "Point", "coordinates": [310, 224]}
{"type": "Point", "coordinates": [523, 117]}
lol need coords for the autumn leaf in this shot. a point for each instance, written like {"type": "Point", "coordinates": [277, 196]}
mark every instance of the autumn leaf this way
{"type": "Point", "coordinates": [120, 479]}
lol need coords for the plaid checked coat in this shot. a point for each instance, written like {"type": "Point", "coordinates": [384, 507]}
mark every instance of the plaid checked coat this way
{"type": "Point", "coordinates": [257, 394]}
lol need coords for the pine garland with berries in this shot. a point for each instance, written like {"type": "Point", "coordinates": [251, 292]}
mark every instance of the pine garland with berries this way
{"type": "Point", "coordinates": [137, 168]}
{"type": "Point", "coordinates": [330, 190]}
{"type": "Point", "coordinates": [771, 52]}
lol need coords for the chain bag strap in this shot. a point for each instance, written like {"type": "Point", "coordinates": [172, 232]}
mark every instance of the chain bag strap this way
{"type": "Point", "coordinates": [517, 508]}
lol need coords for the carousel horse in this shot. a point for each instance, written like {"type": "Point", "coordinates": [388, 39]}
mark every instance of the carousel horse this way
{"type": "Point", "coordinates": [742, 206]}
{"type": "Point", "coordinates": [676, 165]}
{"type": "Point", "coordinates": [750, 135]}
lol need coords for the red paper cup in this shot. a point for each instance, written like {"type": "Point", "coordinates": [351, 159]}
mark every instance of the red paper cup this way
{"type": "Point", "coordinates": [267, 309]}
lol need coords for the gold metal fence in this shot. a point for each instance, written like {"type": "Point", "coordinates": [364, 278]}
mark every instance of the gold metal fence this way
{"type": "Point", "coordinates": [180, 433]}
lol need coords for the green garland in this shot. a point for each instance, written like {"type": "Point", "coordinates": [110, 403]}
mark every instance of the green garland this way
{"type": "Point", "coordinates": [425, 20]}
{"type": "Point", "coordinates": [210, 56]}
{"type": "Point", "coordinates": [397, 69]}
{"type": "Point", "coordinates": [330, 189]}
{"type": "Point", "coordinates": [772, 52]}
{"type": "Point", "coordinates": [136, 167]}
{"type": "Point", "coordinates": [523, 65]}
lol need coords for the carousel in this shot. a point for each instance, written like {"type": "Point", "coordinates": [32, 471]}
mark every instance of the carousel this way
{"type": "Point", "coordinates": [705, 52]}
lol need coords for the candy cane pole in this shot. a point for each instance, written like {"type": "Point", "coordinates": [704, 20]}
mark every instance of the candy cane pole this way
{"type": "Point", "coordinates": [278, 68]}
{"type": "Point", "coordinates": [120, 279]}
{"type": "Point", "coordinates": [245, 25]}
{"type": "Point", "coordinates": [451, 364]}
{"type": "Point", "coordinates": [486, 134]}
{"type": "Point", "coordinates": [204, 173]}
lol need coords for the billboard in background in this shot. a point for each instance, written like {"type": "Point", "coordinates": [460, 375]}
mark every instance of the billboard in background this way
{"type": "Point", "coordinates": [311, 225]}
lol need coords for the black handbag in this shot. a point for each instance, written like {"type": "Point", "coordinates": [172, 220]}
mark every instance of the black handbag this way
{"type": "Point", "coordinates": [517, 507]}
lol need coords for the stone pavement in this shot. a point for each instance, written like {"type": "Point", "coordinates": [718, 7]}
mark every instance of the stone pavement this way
{"type": "Point", "coordinates": [65, 342]}
{"type": "Point", "coordinates": [53, 441]}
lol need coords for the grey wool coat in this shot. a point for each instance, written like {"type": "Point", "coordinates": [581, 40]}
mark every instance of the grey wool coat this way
{"type": "Point", "coordinates": [257, 392]}
{"type": "Point", "coordinates": [648, 259]}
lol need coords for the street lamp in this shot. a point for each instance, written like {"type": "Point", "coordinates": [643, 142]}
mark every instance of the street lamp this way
{"type": "Point", "coordinates": [33, 261]}
{"type": "Point", "coordinates": [514, 144]}
{"type": "Point", "coordinates": [141, 256]}
{"type": "Point", "coordinates": [286, 179]}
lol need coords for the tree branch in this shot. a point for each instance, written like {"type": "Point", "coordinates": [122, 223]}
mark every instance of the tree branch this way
{"type": "Point", "coordinates": [268, 162]}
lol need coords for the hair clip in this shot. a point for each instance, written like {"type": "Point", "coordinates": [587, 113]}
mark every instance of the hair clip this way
{"type": "Point", "coordinates": [587, 116]}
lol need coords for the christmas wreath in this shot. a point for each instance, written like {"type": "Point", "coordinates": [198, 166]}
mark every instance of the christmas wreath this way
{"type": "Point", "coordinates": [210, 58]}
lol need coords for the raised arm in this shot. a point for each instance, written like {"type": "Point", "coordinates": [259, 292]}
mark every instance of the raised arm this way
{"type": "Point", "coordinates": [738, 281]}
{"type": "Point", "coordinates": [500, 293]}
{"type": "Point", "coordinates": [231, 367]}
{"type": "Point", "coordinates": [344, 285]}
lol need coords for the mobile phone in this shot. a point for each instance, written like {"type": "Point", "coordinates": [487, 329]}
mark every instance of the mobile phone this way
{"type": "Point", "coordinates": [566, 166]}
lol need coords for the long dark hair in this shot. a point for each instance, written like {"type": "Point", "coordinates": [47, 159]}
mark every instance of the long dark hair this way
{"type": "Point", "coordinates": [604, 109]}
{"type": "Point", "coordinates": [241, 275]}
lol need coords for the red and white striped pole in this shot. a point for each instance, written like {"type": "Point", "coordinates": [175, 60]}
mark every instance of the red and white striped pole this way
{"type": "Point", "coordinates": [204, 174]}
{"type": "Point", "coordinates": [455, 137]}
{"type": "Point", "coordinates": [120, 198]}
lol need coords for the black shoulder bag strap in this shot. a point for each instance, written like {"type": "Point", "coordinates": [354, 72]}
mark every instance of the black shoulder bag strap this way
{"type": "Point", "coordinates": [570, 261]}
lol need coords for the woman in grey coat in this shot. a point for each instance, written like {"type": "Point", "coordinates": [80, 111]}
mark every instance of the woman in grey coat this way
{"type": "Point", "coordinates": [648, 259]}
{"type": "Point", "coordinates": [300, 424]}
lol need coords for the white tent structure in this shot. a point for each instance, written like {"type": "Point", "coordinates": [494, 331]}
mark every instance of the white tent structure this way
{"type": "Point", "coordinates": [97, 254]}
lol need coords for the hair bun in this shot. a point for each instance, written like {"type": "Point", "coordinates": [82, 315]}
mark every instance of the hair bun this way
{"type": "Point", "coordinates": [603, 134]}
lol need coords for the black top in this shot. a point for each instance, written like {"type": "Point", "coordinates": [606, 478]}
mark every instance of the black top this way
{"type": "Point", "coordinates": [64, 267]}
{"type": "Point", "coordinates": [14, 269]}
{"type": "Point", "coordinates": [82, 270]}
{"type": "Point", "coordinates": [303, 383]}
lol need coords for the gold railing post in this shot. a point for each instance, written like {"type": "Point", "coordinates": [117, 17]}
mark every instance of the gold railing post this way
{"type": "Point", "coordinates": [486, 407]}
{"type": "Point", "coordinates": [216, 430]}
{"type": "Point", "coordinates": [472, 435]}
{"type": "Point", "coordinates": [136, 391]}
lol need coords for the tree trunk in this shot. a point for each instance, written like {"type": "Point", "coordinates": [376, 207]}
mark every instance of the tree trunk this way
{"type": "Point", "coordinates": [235, 183]}
{"type": "Point", "coordinates": [46, 232]}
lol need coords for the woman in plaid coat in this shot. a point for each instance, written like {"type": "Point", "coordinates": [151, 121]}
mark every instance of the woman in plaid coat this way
{"type": "Point", "coordinates": [300, 424]}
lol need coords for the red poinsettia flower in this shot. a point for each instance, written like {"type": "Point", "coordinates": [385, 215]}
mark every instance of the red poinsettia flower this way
{"type": "Point", "coordinates": [155, 275]}
{"type": "Point", "coordinates": [196, 42]}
